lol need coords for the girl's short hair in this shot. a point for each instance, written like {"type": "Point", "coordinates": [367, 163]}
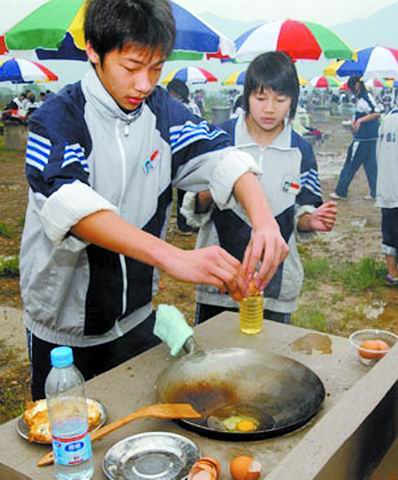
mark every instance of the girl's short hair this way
{"type": "Point", "coordinates": [353, 80]}
{"type": "Point", "coordinates": [272, 71]}
{"type": "Point", "coordinates": [111, 24]}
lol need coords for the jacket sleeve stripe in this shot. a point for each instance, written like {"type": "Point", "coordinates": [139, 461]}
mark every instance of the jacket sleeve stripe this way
{"type": "Point", "coordinates": [75, 153]}
{"type": "Point", "coordinates": [35, 163]}
{"type": "Point", "coordinates": [36, 154]}
{"type": "Point", "coordinates": [194, 137]}
{"type": "Point", "coordinates": [44, 142]}
{"type": "Point", "coordinates": [310, 180]}
{"type": "Point", "coordinates": [37, 151]}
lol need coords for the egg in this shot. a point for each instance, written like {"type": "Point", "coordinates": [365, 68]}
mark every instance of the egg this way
{"type": "Point", "coordinates": [241, 423]}
{"type": "Point", "coordinates": [245, 468]}
{"type": "Point", "coordinates": [206, 468]}
{"type": "Point", "coordinates": [373, 349]}
{"type": "Point", "coordinates": [246, 426]}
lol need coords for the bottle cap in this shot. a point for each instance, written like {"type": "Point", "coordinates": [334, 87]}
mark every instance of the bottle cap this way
{"type": "Point", "coordinates": [61, 357]}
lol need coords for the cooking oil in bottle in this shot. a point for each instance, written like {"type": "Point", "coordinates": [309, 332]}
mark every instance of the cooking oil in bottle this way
{"type": "Point", "coordinates": [251, 313]}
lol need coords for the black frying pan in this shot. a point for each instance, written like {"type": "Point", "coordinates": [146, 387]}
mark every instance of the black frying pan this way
{"type": "Point", "coordinates": [279, 393]}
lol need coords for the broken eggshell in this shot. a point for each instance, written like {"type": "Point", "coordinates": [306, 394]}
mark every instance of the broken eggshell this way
{"type": "Point", "coordinates": [245, 468]}
{"type": "Point", "coordinates": [205, 468]}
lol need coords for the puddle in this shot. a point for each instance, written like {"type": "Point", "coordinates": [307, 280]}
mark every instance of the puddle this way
{"type": "Point", "coordinates": [311, 343]}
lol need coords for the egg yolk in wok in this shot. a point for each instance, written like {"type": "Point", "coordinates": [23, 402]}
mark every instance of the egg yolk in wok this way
{"type": "Point", "coordinates": [240, 423]}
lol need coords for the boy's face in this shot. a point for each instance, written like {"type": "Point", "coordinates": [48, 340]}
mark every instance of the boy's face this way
{"type": "Point", "coordinates": [269, 109]}
{"type": "Point", "coordinates": [129, 75]}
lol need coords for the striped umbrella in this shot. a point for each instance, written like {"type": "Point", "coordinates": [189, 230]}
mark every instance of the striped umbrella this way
{"type": "Point", "coordinates": [372, 62]}
{"type": "Point", "coordinates": [190, 75]}
{"type": "Point", "coordinates": [300, 40]}
{"type": "Point", "coordinates": [324, 82]}
{"type": "Point", "coordinates": [333, 68]}
{"type": "Point", "coordinates": [236, 78]}
{"type": "Point", "coordinates": [18, 70]}
{"type": "Point", "coordinates": [303, 81]}
{"type": "Point", "coordinates": [375, 83]}
{"type": "Point", "coordinates": [391, 83]}
{"type": "Point", "coordinates": [55, 30]}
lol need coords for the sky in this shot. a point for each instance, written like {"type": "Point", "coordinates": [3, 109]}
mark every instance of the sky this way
{"type": "Point", "coordinates": [328, 12]}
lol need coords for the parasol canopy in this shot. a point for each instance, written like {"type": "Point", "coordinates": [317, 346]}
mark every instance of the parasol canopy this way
{"type": "Point", "coordinates": [236, 78]}
{"type": "Point", "coordinates": [300, 40]}
{"type": "Point", "coordinates": [324, 81]}
{"type": "Point", "coordinates": [303, 81]}
{"type": "Point", "coordinates": [372, 62]}
{"type": "Point", "coordinates": [333, 68]}
{"type": "Point", "coordinates": [375, 83]}
{"type": "Point", "coordinates": [190, 75]}
{"type": "Point", "coordinates": [19, 70]}
{"type": "Point", "coordinates": [55, 31]}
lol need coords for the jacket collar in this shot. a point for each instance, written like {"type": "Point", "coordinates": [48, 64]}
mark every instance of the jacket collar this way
{"type": "Point", "coordinates": [281, 142]}
{"type": "Point", "coordinates": [97, 95]}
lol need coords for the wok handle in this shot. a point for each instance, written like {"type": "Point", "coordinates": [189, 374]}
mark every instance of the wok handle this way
{"type": "Point", "coordinates": [191, 346]}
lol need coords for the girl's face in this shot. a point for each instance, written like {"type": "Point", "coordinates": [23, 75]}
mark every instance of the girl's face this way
{"type": "Point", "coordinates": [269, 109]}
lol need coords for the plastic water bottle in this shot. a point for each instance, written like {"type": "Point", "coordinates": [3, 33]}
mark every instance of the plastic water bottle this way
{"type": "Point", "coordinates": [67, 410]}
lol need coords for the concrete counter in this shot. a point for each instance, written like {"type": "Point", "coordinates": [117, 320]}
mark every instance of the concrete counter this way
{"type": "Point", "coordinates": [131, 385]}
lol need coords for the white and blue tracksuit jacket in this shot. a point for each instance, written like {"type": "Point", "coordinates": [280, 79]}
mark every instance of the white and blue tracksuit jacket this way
{"type": "Point", "coordinates": [291, 183]}
{"type": "Point", "coordinates": [84, 154]}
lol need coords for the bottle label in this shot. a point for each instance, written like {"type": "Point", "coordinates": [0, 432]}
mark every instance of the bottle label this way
{"type": "Point", "coordinates": [72, 450]}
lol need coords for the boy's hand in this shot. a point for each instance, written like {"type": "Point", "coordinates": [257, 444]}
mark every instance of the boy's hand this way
{"type": "Point", "coordinates": [210, 266]}
{"type": "Point", "coordinates": [324, 217]}
{"type": "Point", "coordinates": [268, 247]}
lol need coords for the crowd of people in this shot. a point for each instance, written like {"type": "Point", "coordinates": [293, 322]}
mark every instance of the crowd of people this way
{"type": "Point", "coordinates": [102, 160]}
{"type": "Point", "coordinates": [19, 108]}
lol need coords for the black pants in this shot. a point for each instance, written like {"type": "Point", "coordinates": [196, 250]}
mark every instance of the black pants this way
{"type": "Point", "coordinates": [91, 361]}
{"type": "Point", "coordinates": [204, 312]}
{"type": "Point", "coordinates": [389, 227]}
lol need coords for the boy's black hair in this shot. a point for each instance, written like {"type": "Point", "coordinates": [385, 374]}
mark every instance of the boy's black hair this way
{"type": "Point", "coordinates": [272, 71]}
{"type": "Point", "coordinates": [111, 24]}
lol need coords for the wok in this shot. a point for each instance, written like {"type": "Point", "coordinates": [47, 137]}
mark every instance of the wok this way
{"type": "Point", "coordinates": [278, 392]}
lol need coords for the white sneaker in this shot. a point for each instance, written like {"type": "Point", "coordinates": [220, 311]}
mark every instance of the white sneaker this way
{"type": "Point", "coordinates": [369, 197]}
{"type": "Point", "coordinates": [336, 197]}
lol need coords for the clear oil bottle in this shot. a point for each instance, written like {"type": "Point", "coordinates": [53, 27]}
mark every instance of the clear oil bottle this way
{"type": "Point", "coordinates": [251, 313]}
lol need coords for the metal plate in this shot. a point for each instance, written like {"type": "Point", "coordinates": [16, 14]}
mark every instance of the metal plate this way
{"type": "Point", "coordinates": [280, 393]}
{"type": "Point", "coordinates": [23, 429]}
{"type": "Point", "coordinates": [150, 456]}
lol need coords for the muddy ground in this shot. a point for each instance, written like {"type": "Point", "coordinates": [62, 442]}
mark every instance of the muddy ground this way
{"type": "Point", "coordinates": [343, 291]}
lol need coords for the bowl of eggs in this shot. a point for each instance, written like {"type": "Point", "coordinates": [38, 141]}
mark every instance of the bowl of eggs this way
{"type": "Point", "coordinates": [371, 344]}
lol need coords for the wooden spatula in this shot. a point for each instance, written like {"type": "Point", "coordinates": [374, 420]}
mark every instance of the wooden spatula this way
{"type": "Point", "coordinates": [167, 411]}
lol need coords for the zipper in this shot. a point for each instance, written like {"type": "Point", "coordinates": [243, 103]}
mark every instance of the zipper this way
{"type": "Point", "coordinates": [127, 125]}
{"type": "Point", "coordinates": [122, 259]}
